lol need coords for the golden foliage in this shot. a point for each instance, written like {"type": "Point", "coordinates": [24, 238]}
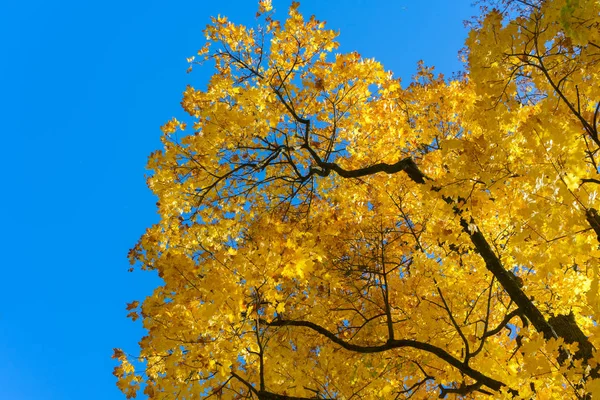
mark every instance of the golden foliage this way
{"type": "Point", "coordinates": [326, 232]}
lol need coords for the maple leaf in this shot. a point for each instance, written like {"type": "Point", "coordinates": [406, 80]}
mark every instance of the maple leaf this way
{"type": "Point", "coordinates": [118, 353]}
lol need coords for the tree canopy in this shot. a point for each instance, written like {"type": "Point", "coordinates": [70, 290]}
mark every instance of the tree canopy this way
{"type": "Point", "coordinates": [326, 232]}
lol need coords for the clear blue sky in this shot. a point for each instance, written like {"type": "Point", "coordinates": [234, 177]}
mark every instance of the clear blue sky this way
{"type": "Point", "coordinates": [84, 88]}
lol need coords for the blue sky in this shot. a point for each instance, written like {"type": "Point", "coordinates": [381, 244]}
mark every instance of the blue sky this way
{"type": "Point", "coordinates": [84, 88]}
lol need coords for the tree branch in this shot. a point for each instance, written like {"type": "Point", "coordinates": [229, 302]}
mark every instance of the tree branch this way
{"type": "Point", "coordinates": [396, 344]}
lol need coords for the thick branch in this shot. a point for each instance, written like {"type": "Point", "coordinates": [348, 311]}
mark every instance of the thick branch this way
{"type": "Point", "coordinates": [512, 287]}
{"type": "Point", "coordinates": [594, 220]}
{"type": "Point", "coordinates": [396, 344]}
{"type": "Point", "coordinates": [406, 164]}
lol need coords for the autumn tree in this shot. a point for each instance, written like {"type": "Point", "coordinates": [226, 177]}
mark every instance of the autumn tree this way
{"type": "Point", "coordinates": [328, 233]}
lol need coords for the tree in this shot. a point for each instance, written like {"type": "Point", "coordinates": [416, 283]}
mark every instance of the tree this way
{"type": "Point", "coordinates": [328, 233]}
